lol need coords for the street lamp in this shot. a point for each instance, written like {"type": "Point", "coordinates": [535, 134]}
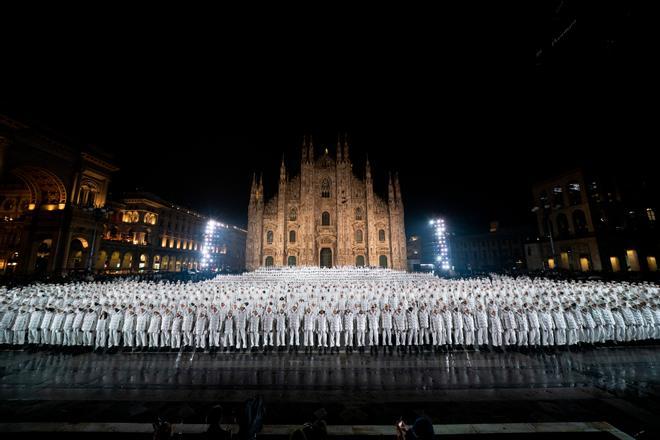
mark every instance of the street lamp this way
{"type": "Point", "coordinates": [545, 213]}
{"type": "Point", "coordinates": [98, 214]}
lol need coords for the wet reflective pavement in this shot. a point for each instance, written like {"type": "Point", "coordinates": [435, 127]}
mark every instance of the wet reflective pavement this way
{"type": "Point", "coordinates": [618, 385]}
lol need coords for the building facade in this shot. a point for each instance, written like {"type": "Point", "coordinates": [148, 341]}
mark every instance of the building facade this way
{"type": "Point", "coordinates": [147, 233]}
{"type": "Point", "coordinates": [55, 216]}
{"type": "Point", "coordinates": [326, 216]}
{"type": "Point", "coordinates": [594, 221]}
{"type": "Point", "coordinates": [498, 250]}
{"type": "Point", "coordinates": [51, 197]}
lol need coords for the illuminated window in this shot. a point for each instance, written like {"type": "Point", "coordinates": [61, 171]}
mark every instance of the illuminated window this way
{"type": "Point", "coordinates": [163, 242]}
{"type": "Point", "coordinates": [632, 261]}
{"type": "Point", "coordinates": [381, 235]}
{"type": "Point", "coordinates": [325, 219]}
{"type": "Point", "coordinates": [156, 262]}
{"type": "Point", "coordinates": [358, 236]}
{"type": "Point", "coordinates": [584, 264]}
{"type": "Point", "coordinates": [358, 213]}
{"type": "Point", "coordinates": [551, 263]}
{"type": "Point", "coordinates": [325, 188]}
{"type": "Point", "coordinates": [292, 236]}
{"type": "Point", "coordinates": [650, 213]}
{"type": "Point", "coordinates": [143, 261]}
{"type": "Point", "coordinates": [652, 264]}
{"type": "Point", "coordinates": [269, 237]}
{"type": "Point", "coordinates": [293, 215]}
{"type": "Point", "coordinates": [614, 262]}
{"type": "Point", "coordinates": [564, 260]}
{"type": "Point", "coordinates": [574, 193]}
{"type": "Point", "coordinates": [150, 218]}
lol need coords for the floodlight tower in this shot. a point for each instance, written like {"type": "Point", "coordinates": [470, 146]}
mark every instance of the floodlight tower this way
{"type": "Point", "coordinates": [440, 245]}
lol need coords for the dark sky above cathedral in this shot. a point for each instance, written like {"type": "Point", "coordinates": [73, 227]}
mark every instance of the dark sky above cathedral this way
{"type": "Point", "coordinates": [468, 114]}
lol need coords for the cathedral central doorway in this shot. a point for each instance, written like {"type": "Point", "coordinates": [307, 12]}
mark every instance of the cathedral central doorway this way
{"type": "Point", "coordinates": [326, 257]}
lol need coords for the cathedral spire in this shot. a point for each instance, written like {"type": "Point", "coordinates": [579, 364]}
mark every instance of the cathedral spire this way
{"type": "Point", "coordinates": [390, 191]}
{"type": "Point", "coordinates": [397, 188]}
{"type": "Point", "coordinates": [282, 171]}
{"type": "Point", "coordinates": [310, 149]}
{"type": "Point", "coordinates": [339, 148]}
{"type": "Point", "coordinates": [346, 157]}
{"type": "Point", "coordinates": [253, 188]}
{"type": "Point", "coordinates": [304, 149]}
{"type": "Point", "coordinates": [367, 167]}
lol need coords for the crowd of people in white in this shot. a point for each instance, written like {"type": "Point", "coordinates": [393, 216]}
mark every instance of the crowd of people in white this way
{"type": "Point", "coordinates": [330, 309]}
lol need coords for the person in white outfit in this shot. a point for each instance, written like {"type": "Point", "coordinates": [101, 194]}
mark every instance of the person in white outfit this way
{"type": "Point", "coordinates": [386, 325]}
{"type": "Point", "coordinates": [101, 331]}
{"type": "Point", "coordinates": [154, 330]}
{"type": "Point", "coordinates": [267, 328]}
{"type": "Point", "coordinates": [335, 330]}
{"type": "Point", "coordinates": [322, 331]}
{"type": "Point", "coordinates": [254, 324]}
{"type": "Point", "coordinates": [349, 326]}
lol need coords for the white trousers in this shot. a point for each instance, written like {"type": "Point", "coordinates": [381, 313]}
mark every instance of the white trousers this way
{"type": "Point", "coordinates": [335, 339]}
{"type": "Point", "coordinates": [33, 336]}
{"type": "Point", "coordinates": [348, 337]}
{"type": "Point", "coordinates": [482, 336]}
{"type": "Point", "coordinates": [100, 339]}
{"type": "Point", "coordinates": [387, 336]}
{"type": "Point", "coordinates": [373, 336]}
{"type": "Point", "coordinates": [309, 338]}
{"type": "Point", "coordinates": [228, 339]}
{"type": "Point", "coordinates": [294, 336]}
{"type": "Point", "coordinates": [128, 339]}
{"type": "Point", "coordinates": [280, 338]}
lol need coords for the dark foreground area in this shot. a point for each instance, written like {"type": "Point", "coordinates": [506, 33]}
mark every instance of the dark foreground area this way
{"type": "Point", "coordinates": [615, 385]}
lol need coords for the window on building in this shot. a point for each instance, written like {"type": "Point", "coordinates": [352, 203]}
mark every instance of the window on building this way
{"type": "Point", "coordinates": [574, 193]}
{"type": "Point", "coordinates": [632, 260]}
{"type": "Point", "coordinates": [579, 222]}
{"type": "Point", "coordinates": [557, 197]}
{"type": "Point", "coordinates": [650, 214]}
{"type": "Point", "coordinates": [291, 261]}
{"type": "Point", "coordinates": [381, 235]}
{"type": "Point", "coordinates": [292, 236]}
{"type": "Point", "coordinates": [358, 213]}
{"type": "Point", "coordinates": [382, 261]}
{"type": "Point", "coordinates": [150, 218]}
{"type": "Point", "coordinates": [325, 188]}
{"type": "Point", "coordinates": [293, 214]}
{"type": "Point", "coordinates": [269, 261]}
{"type": "Point", "coordinates": [652, 264]}
{"type": "Point", "coordinates": [269, 237]}
{"type": "Point", "coordinates": [325, 219]}
{"type": "Point", "coordinates": [359, 261]}
{"type": "Point", "coordinates": [614, 262]}
{"type": "Point", "coordinates": [358, 236]}
{"type": "Point", "coordinates": [562, 225]}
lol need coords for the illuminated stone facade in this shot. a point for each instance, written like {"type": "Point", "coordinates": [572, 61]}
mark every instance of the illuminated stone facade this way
{"type": "Point", "coordinates": [326, 216]}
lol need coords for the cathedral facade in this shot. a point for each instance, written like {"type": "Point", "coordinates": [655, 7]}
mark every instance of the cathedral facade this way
{"type": "Point", "coordinates": [326, 216]}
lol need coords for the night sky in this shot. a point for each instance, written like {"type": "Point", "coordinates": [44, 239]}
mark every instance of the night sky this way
{"type": "Point", "coordinates": [469, 117]}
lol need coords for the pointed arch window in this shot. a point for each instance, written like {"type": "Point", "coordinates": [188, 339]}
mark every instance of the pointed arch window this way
{"type": "Point", "coordinates": [381, 235]}
{"type": "Point", "coordinates": [358, 236]}
{"type": "Point", "coordinates": [358, 214]}
{"type": "Point", "coordinates": [293, 214]}
{"type": "Point", "coordinates": [325, 219]}
{"type": "Point", "coordinates": [325, 188]}
{"type": "Point", "coordinates": [292, 236]}
{"type": "Point", "coordinates": [269, 237]}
